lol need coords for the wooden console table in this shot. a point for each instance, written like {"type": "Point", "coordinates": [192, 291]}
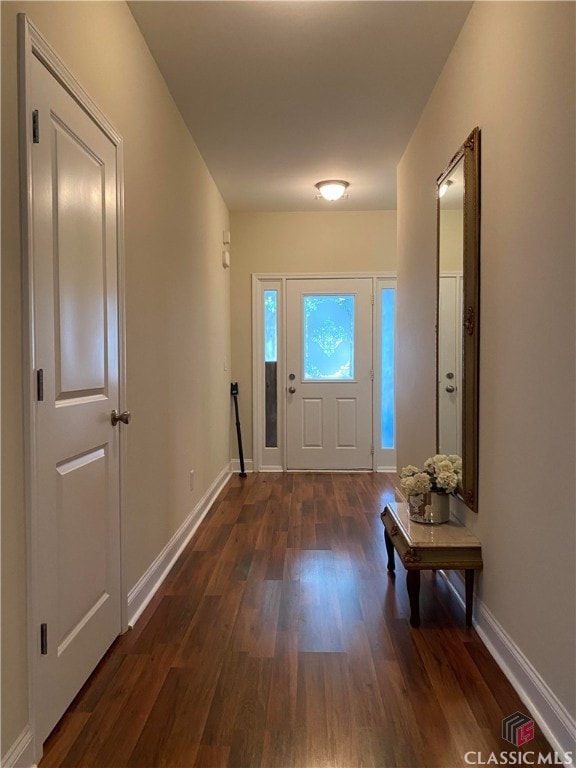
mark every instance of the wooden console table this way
{"type": "Point", "coordinates": [429, 547]}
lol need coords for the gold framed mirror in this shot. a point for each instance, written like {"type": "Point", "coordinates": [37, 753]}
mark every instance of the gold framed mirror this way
{"type": "Point", "coordinates": [458, 305]}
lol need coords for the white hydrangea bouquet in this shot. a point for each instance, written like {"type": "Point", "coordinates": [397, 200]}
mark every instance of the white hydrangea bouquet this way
{"type": "Point", "coordinates": [441, 474]}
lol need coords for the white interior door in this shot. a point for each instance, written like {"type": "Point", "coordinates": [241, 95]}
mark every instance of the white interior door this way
{"type": "Point", "coordinates": [329, 374]}
{"type": "Point", "coordinates": [75, 536]}
{"type": "Point", "coordinates": [450, 364]}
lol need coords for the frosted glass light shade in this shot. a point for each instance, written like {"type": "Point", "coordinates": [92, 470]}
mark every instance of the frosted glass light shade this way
{"type": "Point", "coordinates": [444, 187]}
{"type": "Point", "coordinates": [332, 189]}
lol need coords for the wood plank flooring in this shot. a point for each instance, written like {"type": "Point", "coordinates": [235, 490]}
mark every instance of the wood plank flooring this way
{"type": "Point", "coordinates": [279, 640]}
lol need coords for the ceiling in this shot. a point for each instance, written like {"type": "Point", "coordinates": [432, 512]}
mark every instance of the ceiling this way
{"type": "Point", "coordinates": [279, 94]}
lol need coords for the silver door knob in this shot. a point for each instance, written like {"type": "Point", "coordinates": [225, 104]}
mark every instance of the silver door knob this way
{"type": "Point", "coordinates": [450, 388]}
{"type": "Point", "coordinates": [124, 417]}
{"type": "Point", "coordinates": [291, 390]}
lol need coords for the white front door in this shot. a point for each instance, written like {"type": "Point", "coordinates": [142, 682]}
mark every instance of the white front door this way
{"type": "Point", "coordinates": [329, 374]}
{"type": "Point", "coordinates": [75, 496]}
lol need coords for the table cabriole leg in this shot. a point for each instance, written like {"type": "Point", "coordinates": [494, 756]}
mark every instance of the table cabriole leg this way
{"type": "Point", "coordinates": [413, 585]}
{"type": "Point", "coordinates": [389, 551]}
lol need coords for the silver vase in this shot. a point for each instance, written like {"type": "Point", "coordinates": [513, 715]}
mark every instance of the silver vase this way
{"type": "Point", "coordinates": [432, 508]}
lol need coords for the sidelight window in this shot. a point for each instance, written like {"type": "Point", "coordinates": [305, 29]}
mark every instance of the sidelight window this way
{"type": "Point", "coordinates": [271, 367]}
{"type": "Point", "coordinates": [387, 420]}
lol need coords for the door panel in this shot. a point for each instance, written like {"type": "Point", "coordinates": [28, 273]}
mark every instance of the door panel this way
{"type": "Point", "coordinates": [78, 554]}
{"type": "Point", "coordinates": [329, 352]}
{"type": "Point", "coordinates": [79, 217]}
{"type": "Point", "coordinates": [311, 422]}
{"type": "Point", "coordinates": [76, 495]}
{"type": "Point", "coordinates": [346, 425]}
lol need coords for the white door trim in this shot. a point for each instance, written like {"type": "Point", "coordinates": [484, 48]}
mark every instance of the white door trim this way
{"type": "Point", "coordinates": [32, 45]}
{"type": "Point", "coordinates": [277, 280]}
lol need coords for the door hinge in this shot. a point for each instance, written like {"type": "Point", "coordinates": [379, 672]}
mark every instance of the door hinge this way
{"type": "Point", "coordinates": [35, 127]}
{"type": "Point", "coordinates": [40, 384]}
{"type": "Point", "coordinates": [371, 375]}
{"type": "Point", "coordinates": [44, 639]}
{"type": "Point", "coordinates": [372, 450]}
{"type": "Point", "coordinates": [372, 299]}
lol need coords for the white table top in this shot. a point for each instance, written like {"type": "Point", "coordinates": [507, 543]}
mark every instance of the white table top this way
{"type": "Point", "coordinates": [450, 534]}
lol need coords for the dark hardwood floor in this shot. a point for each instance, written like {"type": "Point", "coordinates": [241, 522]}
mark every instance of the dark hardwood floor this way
{"type": "Point", "coordinates": [279, 640]}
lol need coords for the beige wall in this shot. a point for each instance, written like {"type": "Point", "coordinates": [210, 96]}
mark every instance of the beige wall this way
{"type": "Point", "coordinates": [354, 241]}
{"type": "Point", "coordinates": [177, 305]}
{"type": "Point", "coordinates": [511, 73]}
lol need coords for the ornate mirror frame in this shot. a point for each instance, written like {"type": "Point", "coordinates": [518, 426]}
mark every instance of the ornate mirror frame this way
{"type": "Point", "coordinates": [469, 155]}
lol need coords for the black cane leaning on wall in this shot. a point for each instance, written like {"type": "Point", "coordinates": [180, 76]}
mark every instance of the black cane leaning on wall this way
{"type": "Point", "coordinates": [234, 393]}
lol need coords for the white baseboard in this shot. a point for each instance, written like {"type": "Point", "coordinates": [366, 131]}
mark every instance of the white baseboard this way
{"type": "Point", "coordinates": [21, 753]}
{"type": "Point", "coordinates": [386, 470]}
{"type": "Point", "coordinates": [146, 587]}
{"type": "Point", "coordinates": [556, 723]}
{"type": "Point", "coordinates": [235, 465]}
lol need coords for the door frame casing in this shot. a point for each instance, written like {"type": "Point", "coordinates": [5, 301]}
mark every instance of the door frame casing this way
{"type": "Point", "coordinates": [273, 280]}
{"type": "Point", "coordinates": [32, 45]}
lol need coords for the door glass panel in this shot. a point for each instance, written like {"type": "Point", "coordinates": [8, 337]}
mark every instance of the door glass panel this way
{"type": "Point", "coordinates": [271, 367]}
{"type": "Point", "coordinates": [387, 373]}
{"type": "Point", "coordinates": [328, 331]}
{"type": "Point", "coordinates": [271, 326]}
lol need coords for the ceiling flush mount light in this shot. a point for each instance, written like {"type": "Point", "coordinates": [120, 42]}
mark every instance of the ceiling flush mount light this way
{"type": "Point", "coordinates": [331, 189]}
{"type": "Point", "coordinates": [444, 187]}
